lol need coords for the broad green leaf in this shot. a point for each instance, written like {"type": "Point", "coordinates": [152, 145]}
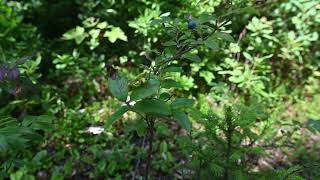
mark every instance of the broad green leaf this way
{"type": "Point", "coordinates": [170, 83]}
{"type": "Point", "coordinates": [225, 36]}
{"type": "Point", "coordinates": [169, 43]}
{"type": "Point", "coordinates": [78, 34]}
{"type": "Point", "coordinates": [152, 106]}
{"type": "Point", "coordinates": [117, 115]}
{"type": "Point", "coordinates": [313, 125]}
{"type": "Point", "coordinates": [211, 43]}
{"type": "Point", "coordinates": [192, 57]}
{"type": "Point", "coordinates": [102, 25]}
{"type": "Point", "coordinates": [183, 119]}
{"type": "Point", "coordinates": [94, 33]}
{"type": "Point", "coordinates": [207, 75]}
{"type": "Point", "coordinates": [118, 87]}
{"type": "Point", "coordinates": [114, 34]}
{"type": "Point", "coordinates": [172, 69]}
{"type": "Point", "coordinates": [182, 103]}
{"type": "Point", "coordinates": [207, 18]}
{"type": "Point", "coordinates": [18, 175]}
{"type": "Point", "coordinates": [155, 22]}
{"type": "Point", "coordinates": [163, 147]}
{"type": "Point", "coordinates": [146, 90]}
{"type": "Point", "coordinates": [68, 167]}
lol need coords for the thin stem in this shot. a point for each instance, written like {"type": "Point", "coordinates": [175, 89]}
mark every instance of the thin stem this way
{"type": "Point", "coordinates": [150, 122]}
{"type": "Point", "coordinates": [139, 160]}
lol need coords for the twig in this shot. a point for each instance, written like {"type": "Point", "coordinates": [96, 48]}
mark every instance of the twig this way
{"type": "Point", "coordinates": [139, 160]}
{"type": "Point", "coordinates": [150, 122]}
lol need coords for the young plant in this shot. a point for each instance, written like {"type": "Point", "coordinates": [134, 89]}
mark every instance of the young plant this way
{"type": "Point", "coordinates": [151, 95]}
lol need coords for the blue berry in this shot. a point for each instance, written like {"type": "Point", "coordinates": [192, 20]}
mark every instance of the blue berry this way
{"type": "Point", "coordinates": [192, 24]}
{"type": "Point", "coordinates": [13, 73]}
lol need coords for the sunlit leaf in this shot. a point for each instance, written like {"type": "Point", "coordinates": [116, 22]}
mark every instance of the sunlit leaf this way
{"type": "Point", "coordinates": [114, 34]}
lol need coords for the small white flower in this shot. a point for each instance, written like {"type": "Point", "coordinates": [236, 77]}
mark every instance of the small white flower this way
{"type": "Point", "coordinates": [95, 130]}
{"type": "Point", "coordinates": [132, 103]}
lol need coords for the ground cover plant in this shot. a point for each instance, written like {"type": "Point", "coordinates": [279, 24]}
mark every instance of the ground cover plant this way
{"type": "Point", "coordinates": [192, 89]}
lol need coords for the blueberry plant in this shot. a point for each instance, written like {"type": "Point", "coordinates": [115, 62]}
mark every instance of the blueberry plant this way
{"type": "Point", "coordinates": [152, 96]}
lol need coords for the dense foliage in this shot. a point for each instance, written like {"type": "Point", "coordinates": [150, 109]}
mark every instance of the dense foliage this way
{"type": "Point", "coordinates": [186, 89]}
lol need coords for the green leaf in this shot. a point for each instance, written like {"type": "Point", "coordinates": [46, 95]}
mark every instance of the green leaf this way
{"type": "Point", "coordinates": [225, 36]}
{"type": "Point", "coordinates": [192, 57]}
{"type": "Point", "coordinates": [118, 87]}
{"type": "Point", "coordinates": [204, 18]}
{"type": "Point", "coordinates": [183, 119]}
{"type": "Point", "coordinates": [8, 121]}
{"type": "Point", "coordinates": [78, 34]}
{"type": "Point", "coordinates": [211, 43]}
{"type": "Point", "coordinates": [42, 122]}
{"type": "Point", "coordinates": [182, 103]}
{"type": "Point", "coordinates": [207, 75]}
{"type": "Point", "coordinates": [146, 90]}
{"type": "Point", "coordinates": [169, 43]}
{"type": "Point", "coordinates": [41, 155]}
{"type": "Point", "coordinates": [68, 166]}
{"type": "Point", "coordinates": [102, 25]}
{"type": "Point", "coordinates": [18, 175]}
{"type": "Point", "coordinates": [117, 115]}
{"type": "Point", "coordinates": [172, 69]}
{"type": "Point", "coordinates": [163, 147]}
{"type": "Point", "coordinates": [152, 106]}
{"type": "Point", "coordinates": [313, 125]}
{"type": "Point", "coordinates": [3, 143]}
{"type": "Point", "coordinates": [155, 22]}
{"type": "Point", "coordinates": [94, 33]}
{"type": "Point", "coordinates": [114, 34]}
{"type": "Point", "coordinates": [170, 83]}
